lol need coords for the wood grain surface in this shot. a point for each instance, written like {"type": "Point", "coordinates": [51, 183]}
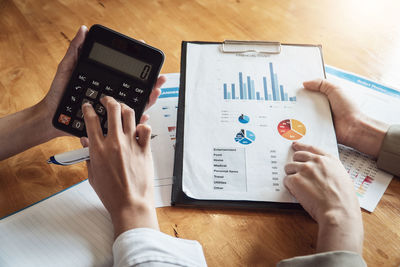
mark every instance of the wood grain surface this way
{"type": "Point", "coordinates": [357, 35]}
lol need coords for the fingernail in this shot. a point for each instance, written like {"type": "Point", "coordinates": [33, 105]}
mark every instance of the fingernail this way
{"type": "Point", "coordinates": [85, 105]}
{"type": "Point", "coordinates": [295, 145]}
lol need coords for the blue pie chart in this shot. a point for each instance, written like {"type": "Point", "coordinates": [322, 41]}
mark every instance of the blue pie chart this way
{"type": "Point", "coordinates": [245, 137]}
{"type": "Point", "coordinates": [244, 119]}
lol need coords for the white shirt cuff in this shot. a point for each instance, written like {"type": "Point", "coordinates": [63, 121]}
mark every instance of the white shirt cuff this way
{"type": "Point", "coordinates": [148, 247]}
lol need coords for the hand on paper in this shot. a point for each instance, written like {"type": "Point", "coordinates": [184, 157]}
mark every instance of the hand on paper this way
{"type": "Point", "coordinates": [353, 128]}
{"type": "Point", "coordinates": [323, 187]}
{"type": "Point", "coordinates": [121, 166]}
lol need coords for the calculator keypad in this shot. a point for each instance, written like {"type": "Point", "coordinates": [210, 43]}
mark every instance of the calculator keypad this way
{"type": "Point", "coordinates": [90, 89]}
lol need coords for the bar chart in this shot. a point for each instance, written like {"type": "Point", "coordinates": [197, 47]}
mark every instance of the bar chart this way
{"type": "Point", "coordinates": [246, 89]}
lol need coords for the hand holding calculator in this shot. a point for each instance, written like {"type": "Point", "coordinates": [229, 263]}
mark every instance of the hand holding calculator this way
{"type": "Point", "coordinates": [110, 64]}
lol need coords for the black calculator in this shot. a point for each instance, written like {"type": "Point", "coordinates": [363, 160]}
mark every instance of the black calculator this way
{"type": "Point", "coordinates": [110, 64]}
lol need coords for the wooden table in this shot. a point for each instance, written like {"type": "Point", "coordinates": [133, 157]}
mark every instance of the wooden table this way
{"type": "Point", "coordinates": [357, 35]}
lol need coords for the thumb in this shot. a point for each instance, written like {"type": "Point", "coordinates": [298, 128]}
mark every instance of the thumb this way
{"type": "Point", "coordinates": [144, 135]}
{"type": "Point", "coordinates": [313, 85]}
{"type": "Point", "coordinates": [321, 85]}
{"type": "Point", "coordinates": [85, 143]}
{"type": "Point", "coordinates": [68, 62]}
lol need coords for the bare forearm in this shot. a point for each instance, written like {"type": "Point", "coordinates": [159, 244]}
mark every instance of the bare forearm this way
{"type": "Point", "coordinates": [24, 129]}
{"type": "Point", "coordinates": [339, 232]}
{"type": "Point", "coordinates": [136, 216]}
{"type": "Point", "coordinates": [367, 136]}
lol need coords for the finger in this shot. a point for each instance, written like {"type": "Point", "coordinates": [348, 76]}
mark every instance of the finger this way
{"type": "Point", "coordinates": [67, 64]}
{"type": "Point", "coordinates": [293, 167]}
{"type": "Point", "coordinates": [128, 119]}
{"type": "Point", "coordinates": [289, 183]}
{"type": "Point", "coordinates": [84, 141]}
{"type": "Point", "coordinates": [313, 85]}
{"type": "Point", "coordinates": [303, 147]}
{"type": "Point", "coordinates": [92, 122]}
{"type": "Point", "coordinates": [303, 156]}
{"type": "Point", "coordinates": [320, 85]}
{"type": "Point", "coordinates": [156, 92]}
{"type": "Point", "coordinates": [298, 186]}
{"type": "Point", "coordinates": [143, 132]}
{"type": "Point", "coordinates": [113, 114]}
{"type": "Point", "coordinates": [160, 81]}
{"type": "Point", "coordinates": [144, 119]}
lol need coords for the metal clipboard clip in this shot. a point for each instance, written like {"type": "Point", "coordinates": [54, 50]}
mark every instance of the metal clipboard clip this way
{"type": "Point", "coordinates": [262, 47]}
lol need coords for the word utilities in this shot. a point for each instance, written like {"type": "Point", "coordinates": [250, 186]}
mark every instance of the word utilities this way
{"type": "Point", "coordinates": [111, 64]}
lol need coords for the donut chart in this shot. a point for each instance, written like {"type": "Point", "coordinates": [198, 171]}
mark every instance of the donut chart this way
{"type": "Point", "coordinates": [291, 129]}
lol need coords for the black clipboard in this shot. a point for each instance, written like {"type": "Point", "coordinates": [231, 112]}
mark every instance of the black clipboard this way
{"type": "Point", "coordinates": [178, 197]}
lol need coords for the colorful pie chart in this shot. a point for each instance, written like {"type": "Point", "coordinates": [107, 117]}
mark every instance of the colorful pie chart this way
{"type": "Point", "coordinates": [291, 129]}
{"type": "Point", "coordinates": [245, 137]}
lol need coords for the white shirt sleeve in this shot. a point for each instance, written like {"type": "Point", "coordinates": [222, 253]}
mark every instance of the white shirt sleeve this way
{"type": "Point", "coordinates": [326, 259]}
{"type": "Point", "coordinates": [148, 247]}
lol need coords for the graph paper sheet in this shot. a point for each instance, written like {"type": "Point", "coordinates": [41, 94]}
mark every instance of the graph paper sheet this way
{"type": "Point", "coordinates": [242, 113]}
{"type": "Point", "coordinates": [377, 101]}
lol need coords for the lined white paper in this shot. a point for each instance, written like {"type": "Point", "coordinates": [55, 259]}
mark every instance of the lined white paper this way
{"type": "Point", "coordinates": [69, 229]}
{"type": "Point", "coordinates": [73, 228]}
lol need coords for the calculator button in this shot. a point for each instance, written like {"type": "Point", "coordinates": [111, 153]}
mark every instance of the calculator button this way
{"type": "Point", "coordinates": [139, 91]}
{"type": "Point", "coordinates": [136, 100]}
{"type": "Point", "coordinates": [77, 88]}
{"type": "Point", "coordinates": [91, 93]}
{"type": "Point", "coordinates": [100, 109]}
{"type": "Point", "coordinates": [68, 109]}
{"type": "Point", "coordinates": [82, 77]}
{"type": "Point", "coordinates": [102, 95]}
{"type": "Point", "coordinates": [122, 94]}
{"type": "Point", "coordinates": [64, 119]}
{"type": "Point", "coordinates": [79, 114]}
{"type": "Point", "coordinates": [95, 83]}
{"type": "Point", "coordinates": [87, 101]}
{"type": "Point", "coordinates": [108, 89]}
{"type": "Point", "coordinates": [74, 99]}
{"type": "Point", "coordinates": [78, 125]}
{"type": "Point", "coordinates": [126, 85]}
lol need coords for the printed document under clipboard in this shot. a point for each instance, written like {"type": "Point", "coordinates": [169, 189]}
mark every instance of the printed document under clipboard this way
{"type": "Point", "coordinates": [241, 105]}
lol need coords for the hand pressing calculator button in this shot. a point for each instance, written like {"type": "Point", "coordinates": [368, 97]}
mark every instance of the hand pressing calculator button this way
{"type": "Point", "coordinates": [110, 64]}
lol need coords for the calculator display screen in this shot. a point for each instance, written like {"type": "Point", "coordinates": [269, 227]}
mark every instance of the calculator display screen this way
{"type": "Point", "coordinates": [120, 61]}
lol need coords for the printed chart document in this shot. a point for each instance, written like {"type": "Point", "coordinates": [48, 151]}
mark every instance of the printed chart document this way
{"type": "Point", "coordinates": [163, 126]}
{"type": "Point", "coordinates": [242, 113]}
{"type": "Point", "coordinates": [377, 101]}
{"type": "Point", "coordinates": [73, 228]}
